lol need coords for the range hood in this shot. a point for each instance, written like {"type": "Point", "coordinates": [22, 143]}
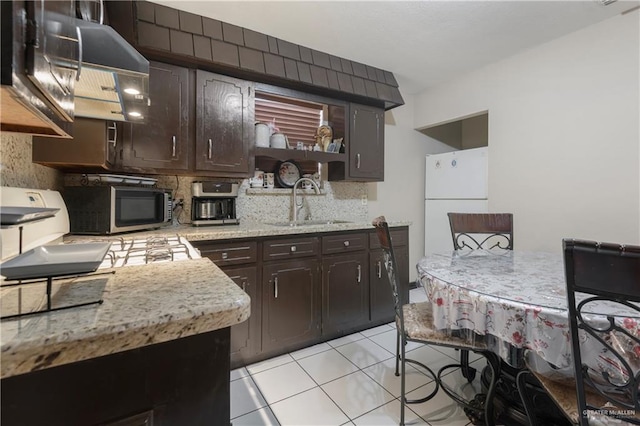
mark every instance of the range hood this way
{"type": "Point", "coordinates": [113, 79]}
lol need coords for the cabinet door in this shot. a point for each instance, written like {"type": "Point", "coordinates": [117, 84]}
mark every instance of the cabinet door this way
{"type": "Point", "coordinates": [382, 308]}
{"type": "Point", "coordinates": [290, 303]}
{"type": "Point", "coordinates": [345, 292]}
{"type": "Point", "coordinates": [162, 142]}
{"type": "Point", "coordinates": [95, 143]}
{"type": "Point", "coordinates": [245, 337]}
{"type": "Point", "coordinates": [224, 120]}
{"type": "Point", "coordinates": [366, 143]}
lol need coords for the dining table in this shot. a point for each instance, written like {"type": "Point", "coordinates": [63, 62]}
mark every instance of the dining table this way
{"type": "Point", "coordinates": [517, 302]}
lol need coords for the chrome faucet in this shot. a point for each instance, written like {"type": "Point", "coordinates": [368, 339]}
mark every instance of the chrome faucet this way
{"type": "Point", "coordinates": [296, 205]}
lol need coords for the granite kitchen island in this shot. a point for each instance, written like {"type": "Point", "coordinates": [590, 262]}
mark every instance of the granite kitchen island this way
{"type": "Point", "coordinates": [157, 347]}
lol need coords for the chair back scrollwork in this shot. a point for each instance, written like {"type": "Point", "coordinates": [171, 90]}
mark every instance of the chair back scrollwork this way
{"type": "Point", "coordinates": [605, 276]}
{"type": "Point", "coordinates": [474, 231]}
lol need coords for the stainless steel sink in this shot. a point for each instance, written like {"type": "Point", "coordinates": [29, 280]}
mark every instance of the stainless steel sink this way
{"type": "Point", "coordinates": [309, 223]}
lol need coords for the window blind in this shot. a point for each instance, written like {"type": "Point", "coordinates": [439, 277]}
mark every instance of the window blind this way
{"type": "Point", "coordinates": [297, 119]}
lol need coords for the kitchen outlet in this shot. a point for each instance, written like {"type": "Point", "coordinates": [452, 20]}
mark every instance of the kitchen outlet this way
{"type": "Point", "coordinates": [364, 200]}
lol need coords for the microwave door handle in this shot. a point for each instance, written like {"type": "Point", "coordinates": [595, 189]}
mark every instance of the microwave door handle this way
{"type": "Point", "coordinates": [168, 207]}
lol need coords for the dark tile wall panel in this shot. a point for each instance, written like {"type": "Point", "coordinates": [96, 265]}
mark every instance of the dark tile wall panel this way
{"type": "Point", "coordinates": [153, 36]}
{"type": "Point", "coordinates": [332, 77]}
{"type": "Point", "coordinates": [186, 34]}
{"type": "Point", "coordinates": [251, 59]}
{"type": "Point", "coordinates": [359, 70]}
{"type": "Point", "coordinates": [390, 79]}
{"type": "Point", "coordinates": [370, 87]}
{"type": "Point", "coordinates": [319, 76]}
{"type": "Point", "coordinates": [212, 28]}
{"type": "Point", "coordinates": [190, 23]}
{"type": "Point", "coordinates": [346, 66]}
{"type": "Point", "coordinates": [202, 47]}
{"type": "Point", "coordinates": [225, 53]}
{"type": "Point", "coordinates": [274, 65]}
{"type": "Point", "coordinates": [304, 72]}
{"type": "Point", "coordinates": [167, 17]}
{"type": "Point", "coordinates": [321, 59]}
{"type": "Point", "coordinates": [358, 86]}
{"type": "Point", "coordinates": [345, 83]}
{"type": "Point", "coordinates": [181, 43]}
{"type": "Point", "coordinates": [273, 44]}
{"type": "Point", "coordinates": [291, 69]}
{"type": "Point", "coordinates": [256, 40]}
{"type": "Point", "coordinates": [288, 50]}
{"type": "Point", "coordinates": [146, 12]}
{"type": "Point", "coordinates": [232, 34]}
{"type": "Point", "coordinates": [384, 91]}
{"type": "Point", "coordinates": [305, 54]}
{"type": "Point", "coordinates": [336, 65]}
{"type": "Point", "coordinates": [371, 73]}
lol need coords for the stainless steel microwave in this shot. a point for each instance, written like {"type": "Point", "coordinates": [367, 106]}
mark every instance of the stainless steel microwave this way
{"type": "Point", "coordinates": [109, 209]}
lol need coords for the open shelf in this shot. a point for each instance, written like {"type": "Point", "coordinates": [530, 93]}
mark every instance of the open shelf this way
{"type": "Point", "coordinates": [301, 155]}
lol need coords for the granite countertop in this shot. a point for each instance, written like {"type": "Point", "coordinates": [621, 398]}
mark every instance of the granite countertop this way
{"type": "Point", "coordinates": [247, 230]}
{"type": "Point", "coordinates": [142, 305]}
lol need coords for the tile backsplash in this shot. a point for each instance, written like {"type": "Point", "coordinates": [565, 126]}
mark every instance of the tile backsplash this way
{"type": "Point", "coordinates": [338, 200]}
{"type": "Point", "coordinates": [16, 168]}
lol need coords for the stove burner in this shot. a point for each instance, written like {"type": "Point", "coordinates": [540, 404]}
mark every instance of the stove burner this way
{"type": "Point", "coordinates": [152, 249]}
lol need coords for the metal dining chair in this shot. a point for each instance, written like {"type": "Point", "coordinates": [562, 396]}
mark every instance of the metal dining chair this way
{"type": "Point", "coordinates": [597, 273]}
{"type": "Point", "coordinates": [475, 231]}
{"type": "Point", "coordinates": [414, 323]}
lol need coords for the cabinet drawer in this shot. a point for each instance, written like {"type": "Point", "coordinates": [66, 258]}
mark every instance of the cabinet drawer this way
{"type": "Point", "coordinates": [225, 254]}
{"type": "Point", "coordinates": [399, 237]}
{"type": "Point", "coordinates": [343, 243]}
{"type": "Point", "coordinates": [290, 248]}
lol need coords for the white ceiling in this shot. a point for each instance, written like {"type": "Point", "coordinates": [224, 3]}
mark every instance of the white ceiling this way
{"type": "Point", "coordinates": [423, 43]}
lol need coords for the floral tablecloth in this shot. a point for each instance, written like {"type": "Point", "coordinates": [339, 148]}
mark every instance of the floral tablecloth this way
{"type": "Point", "coordinates": [518, 299]}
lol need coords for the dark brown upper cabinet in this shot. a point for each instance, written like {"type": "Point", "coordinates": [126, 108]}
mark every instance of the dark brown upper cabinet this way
{"type": "Point", "coordinates": [96, 144]}
{"type": "Point", "coordinates": [366, 143]}
{"type": "Point", "coordinates": [162, 143]}
{"type": "Point", "coordinates": [224, 124]}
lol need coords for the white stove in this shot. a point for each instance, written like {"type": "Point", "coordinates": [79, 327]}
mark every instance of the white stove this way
{"type": "Point", "coordinates": [144, 250]}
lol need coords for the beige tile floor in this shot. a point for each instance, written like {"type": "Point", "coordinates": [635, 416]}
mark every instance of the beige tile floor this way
{"type": "Point", "coordinates": [347, 381]}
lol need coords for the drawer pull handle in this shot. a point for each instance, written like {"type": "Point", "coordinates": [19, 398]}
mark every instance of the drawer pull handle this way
{"type": "Point", "coordinates": [225, 255]}
{"type": "Point", "coordinates": [275, 287]}
{"type": "Point", "coordinates": [379, 268]}
{"type": "Point", "coordinates": [293, 249]}
{"type": "Point", "coordinates": [346, 243]}
{"type": "Point", "coordinates": [359, 273]}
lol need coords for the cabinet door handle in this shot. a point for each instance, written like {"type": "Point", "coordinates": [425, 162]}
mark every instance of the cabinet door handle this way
{"type": "Point", "coordinates": [173, 146]}
{"type": "Point", "coordinates": [113, 127]}
{"type": "Point", "coordinates": [357, 160]}
{"type": "Point", "coordinates": [244, 285]}
{"type": "Point", "coordinates": [346, 243]}
{"type": "Point", "coordinates": [379, 269]}
{"type": "Point", "coordinates": [293, 249]}
{"type": "Point", "coordinates": [359, 273]}
{"type": "Point", "coordinates": [101, 12]}
{"type": "Point", "coordinates": [210, 148]}
{"type": "Point", "coordinates": [79, 33]}
{"type": "Point", "coordinates": [275, 287]}
{"type": "Point", "coordinates": [224, 255]}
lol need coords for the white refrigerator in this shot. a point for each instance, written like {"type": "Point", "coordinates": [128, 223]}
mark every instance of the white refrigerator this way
{"type": "Point", "coordinates": [455, 182]}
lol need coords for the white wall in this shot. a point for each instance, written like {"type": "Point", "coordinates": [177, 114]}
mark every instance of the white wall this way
{"type": "Point", "coordinates": [564, 135]}
{"type": "Point", "coordinates": [401, 195]}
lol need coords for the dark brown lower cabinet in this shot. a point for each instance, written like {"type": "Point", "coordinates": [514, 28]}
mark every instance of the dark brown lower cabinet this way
{"type": "Point", "coordinates": [290, 303]}
{"type": "Point", "coordinates": [345, 292]}
{"type": "Point", "coordinates": [180, 382]}
{"type": "Point", "coordinates": [245, 337]}
{"type": "Point", "coordinates": [381, 299]}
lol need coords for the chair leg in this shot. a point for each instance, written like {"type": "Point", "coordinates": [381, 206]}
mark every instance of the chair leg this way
{"type": "Point", "coordinates": [468, 372]}
{"type": "Point", "coordinates": [403, 397]}
{"type": "Point", "coordinates": [397, 352]}
{"type": "Point", "coordinates": [521, 382]}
